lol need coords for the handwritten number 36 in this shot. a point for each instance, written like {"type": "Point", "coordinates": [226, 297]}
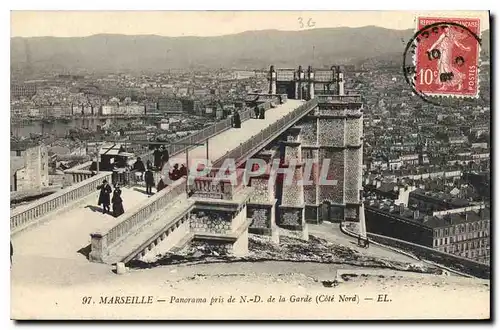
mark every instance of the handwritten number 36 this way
{"type": "Point", "coordinates": [310, 23]}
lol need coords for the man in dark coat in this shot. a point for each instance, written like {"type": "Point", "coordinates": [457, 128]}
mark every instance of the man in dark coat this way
{"type": "Point", "coordinates": [256, 111]}
{"type": "Point", "coordinates": [117, 202]}
{"type": "Point", "coordinates": [149, 164]}
{"type": "Point", "coordinates": [150, 181]}
{"type": "Point", "coordinates": [164, 155]}
{"type": "Point", "coordinates": [104, 196]}
{"type": "Point", "coordinates": [139, 167]}
{"type": "Point", "coordinates": [157, 158]}
{"type": "Point", "coordinates": [175, 175]}
{"type": "Point", "coordinates": [262, 113]}
{"type": "Point", "coordinates": [237, 120]}
{"type": "Point", "coordinates": [183, 170]}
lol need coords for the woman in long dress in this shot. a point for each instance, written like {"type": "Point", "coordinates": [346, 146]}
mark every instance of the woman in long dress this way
{"type": "Point", "coordinates": [117, 202]}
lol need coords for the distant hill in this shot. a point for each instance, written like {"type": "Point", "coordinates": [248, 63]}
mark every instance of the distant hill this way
{"type": "Point", "coordinates": [253, 49]}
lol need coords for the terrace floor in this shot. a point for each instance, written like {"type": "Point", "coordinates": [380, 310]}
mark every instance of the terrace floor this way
{"type": "Point", "coordinates": [67, 235]}
{"type": "Point", "coordinates": [230, 139]}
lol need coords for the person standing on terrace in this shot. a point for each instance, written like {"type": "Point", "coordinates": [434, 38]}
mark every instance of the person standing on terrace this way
{"type": "Point", "coordinates": [104, 196]}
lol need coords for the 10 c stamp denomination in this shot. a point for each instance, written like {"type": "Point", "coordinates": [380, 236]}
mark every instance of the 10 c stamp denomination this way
{"type": "Point", "coordinates": [447, 54]}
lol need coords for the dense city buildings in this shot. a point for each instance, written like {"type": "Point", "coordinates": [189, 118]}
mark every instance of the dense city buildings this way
{"type": "Point", "coordinates": [426, 168]}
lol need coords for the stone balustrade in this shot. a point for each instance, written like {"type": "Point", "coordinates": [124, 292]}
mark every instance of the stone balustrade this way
{"type": "Point", "coordinates": [72, 176]}
{"type": "Point", "coordinates": [198, 137]}
{"type": "Point", "coordinates": [338, 98]}
{"type": "Point", "coordinates": [24, 216]}
{"type": "Point", "coordinates": [213, 187]}
{"type": "Point", "coordinates": [268, 133]}
{"type": "Point", "coordinates": [106, 238]}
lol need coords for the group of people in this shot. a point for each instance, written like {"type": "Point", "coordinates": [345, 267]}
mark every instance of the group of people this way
{"type": "Point", "coordinates": [259, 113]}
{"type": "Point", "coordinates": [106, 200]}
{"type": "Point", "coordinates": [174, 175]}
{"type": "Point", "coordinates": [160, 156]}
{"type": "Point", "coordinates": [146, 172]}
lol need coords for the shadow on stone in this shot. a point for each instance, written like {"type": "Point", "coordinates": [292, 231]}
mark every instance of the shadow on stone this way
{"type": "Point", "coordinates": [94, 208]}
{"type": "Point", "coordinates": [141, 190]}
{"type": "Point", "coordinates": [85, 251]}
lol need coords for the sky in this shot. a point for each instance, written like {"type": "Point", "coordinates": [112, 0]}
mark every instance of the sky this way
{"type": "Point", "coordinates": [209, 23]}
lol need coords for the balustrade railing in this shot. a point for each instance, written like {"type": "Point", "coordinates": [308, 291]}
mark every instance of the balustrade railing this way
{"type": "Point", "coordinates": [267, 133]}
{"type": "Point", "coordinates": [339, 98]}
{"type": "Point", "coordinates": [222, 186]}
{"type": "Point", "coordinates": [200, 136]}
{"type": "Point", "coordinates": [142, 213]}
{"type": "Point", "coordinates": [74, 176]}
{"type": "Point", "coordinates": [26, 214]}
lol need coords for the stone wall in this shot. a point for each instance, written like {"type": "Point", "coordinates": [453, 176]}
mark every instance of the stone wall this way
{"type": "Point", "coordinates": [333, 193]}
{"type": "Point", "coordinates": [353, 174]}
{"type": "Point", "coordinates": [262, 191]}
{"type": "Point", "coordinates": [331, 132]}
{"type": "Point", "coordinates": [210, 221]}
{"type": "Point", "coordinates": [221, 248]}
{"type": "Point", "coordinates": [263, 220]}
{"type": "Point", "coordinates": [309, 131]}
{"type": "Point", "coordinates": [293, 219]}
{"type": "Point", "coordinates": [293, 193]}
{"type": "Point", "coordinates": [310, 190]}
{"type": "Point", "coordinates": [35, 173]}
{"type": "Point", "coordinates": [311, 214]}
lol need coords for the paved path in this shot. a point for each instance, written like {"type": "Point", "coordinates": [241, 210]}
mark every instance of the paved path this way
{"type": "Point", "coordinates": [69, 232]}
{"type": "Point", "coordinates": [233, 137]}
{"type": "Point", "coordinates": [331, 232]}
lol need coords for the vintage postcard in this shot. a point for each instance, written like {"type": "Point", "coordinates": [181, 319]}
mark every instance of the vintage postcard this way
{"type": "Point", "coordinates": [314, 165]}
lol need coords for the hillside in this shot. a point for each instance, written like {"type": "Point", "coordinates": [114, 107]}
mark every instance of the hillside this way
{"type": "Point", "coordinates": [253, 49]}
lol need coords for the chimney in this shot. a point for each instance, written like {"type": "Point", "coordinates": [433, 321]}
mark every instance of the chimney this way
{"type": "Point", "coordinates": [416, 214]}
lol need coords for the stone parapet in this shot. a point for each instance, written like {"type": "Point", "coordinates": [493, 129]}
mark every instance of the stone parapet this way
{"type": "Point", "coordinates": [25, 216]}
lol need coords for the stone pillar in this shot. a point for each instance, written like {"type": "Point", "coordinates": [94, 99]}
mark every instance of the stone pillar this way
{"type": "Point", "coordinates": [354, 163]}
{"type": "Point", "coordinates": [331, 157]}
{"type": "Point", "coordinates": [272, 80]}
{"type": "Point", "coordinates": [311, 190]}
{"type": "Point", "coordinates": [98, 247]}
{"type": "Point", "coordinates": [301, 95]}
{"type": "Point", "coordinates": [340, 83]}
{"type": "Point", "coordinates": [362, 222]}
{"type": "Point", "coordinates": [292, 222]}
{"type": "Point", "coordinates": [291, 210]}
{"type": "Point", "coordinates": [311, 82]}
{"type": "Point", "coordinates": [263, 220]}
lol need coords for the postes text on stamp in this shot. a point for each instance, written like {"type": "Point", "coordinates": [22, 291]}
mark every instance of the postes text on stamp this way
{"type": "Point", "coordinates": [447, 55]}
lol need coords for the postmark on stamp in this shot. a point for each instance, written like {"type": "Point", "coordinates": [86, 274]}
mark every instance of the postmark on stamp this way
{"type": "Point", "coordinates": [445, 55]}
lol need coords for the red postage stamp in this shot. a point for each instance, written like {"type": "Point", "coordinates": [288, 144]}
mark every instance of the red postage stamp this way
{"type": "Point", "coordinates": [447, 55]}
